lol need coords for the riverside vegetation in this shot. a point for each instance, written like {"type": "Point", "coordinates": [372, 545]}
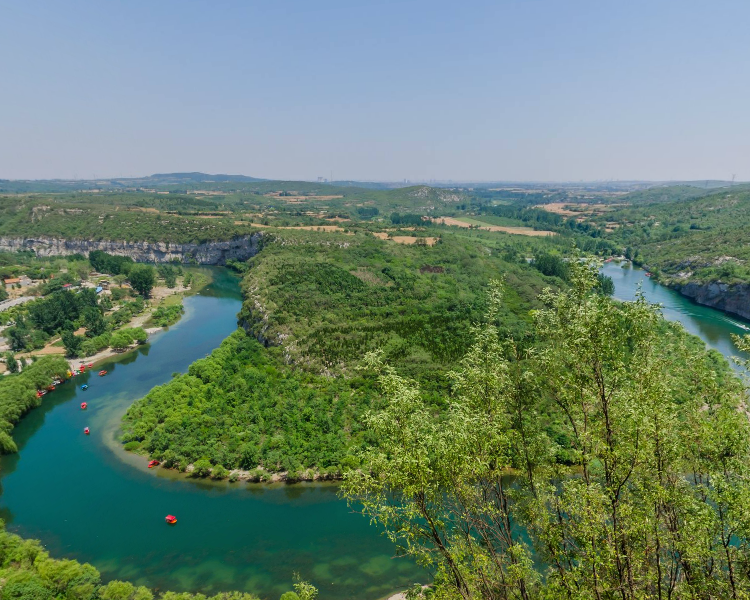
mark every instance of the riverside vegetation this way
{"type": "Point", "coordinates": [536, 441]}
{"type": "Point", "coordinates": [64, 306]}
{"type": "Point", "coordinates": [683, 234]}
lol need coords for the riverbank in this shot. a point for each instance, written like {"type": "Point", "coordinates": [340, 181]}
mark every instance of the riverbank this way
{"type": "Point", "coordinates": [110, 352]}
{"type": "Point", "coordinates": [229, 536]}
{"type": "Point", "coordinates": [160, 296]}
{"type": "Point", "coordinates": [714, 327]}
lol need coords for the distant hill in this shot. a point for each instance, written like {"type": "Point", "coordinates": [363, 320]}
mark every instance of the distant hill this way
{"type": "Point", "coordinates": [23, 186]}
{"type": "Point", "coordinates": [669, 193]}
{"type": "Point", "coordinates": [176, 178]}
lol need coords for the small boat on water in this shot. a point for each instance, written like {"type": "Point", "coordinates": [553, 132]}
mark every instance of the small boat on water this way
{"type": "Point", "coordinates": [83, 405]}
{"type": "Point", "coordinates": [86, 430]}
{"type": "Point", "coordinates": [85, 386]}
{"type": "Point", "coordinates": [50, 388]}
{"type": "Point", "coordinates": [648, 274]}
{"type": "Point", "coordinates": [153, 463]}
{"type": "Point", "coordinates": [171, 519]}
{"type": "Point", "coordinates": [102, 373]}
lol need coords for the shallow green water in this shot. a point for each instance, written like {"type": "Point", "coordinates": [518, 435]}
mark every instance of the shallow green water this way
{"type": "Point", "coordinates": [86, 499]}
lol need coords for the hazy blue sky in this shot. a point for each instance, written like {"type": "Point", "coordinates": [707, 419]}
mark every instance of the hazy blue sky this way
{"type": "Point", "coordinates": [384, 90]}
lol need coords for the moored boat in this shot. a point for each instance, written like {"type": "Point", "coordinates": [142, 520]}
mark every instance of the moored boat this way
{"type": "Point", "coordinates": [153, 463]}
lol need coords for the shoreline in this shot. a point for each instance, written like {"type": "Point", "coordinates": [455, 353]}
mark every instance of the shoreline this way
{"type": "Point", "coordinates": [160, 295]}
{"type": "Point", "coordinates": [94, 359]}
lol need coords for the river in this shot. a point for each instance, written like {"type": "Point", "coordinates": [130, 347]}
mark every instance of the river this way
{"type": "Point", "coordinates": [87, 499]}
{"type": "Point", "coordinates": [712, 326]}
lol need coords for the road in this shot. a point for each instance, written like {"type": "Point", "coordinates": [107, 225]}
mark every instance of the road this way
{"type": "Point", "coordinates": [6, 304]}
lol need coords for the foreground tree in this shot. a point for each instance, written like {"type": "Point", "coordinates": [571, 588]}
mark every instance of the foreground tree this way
{"type": "Point", "coordinates": [655, 505]}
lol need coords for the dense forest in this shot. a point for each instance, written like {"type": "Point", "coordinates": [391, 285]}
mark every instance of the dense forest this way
{"type": "Point", "coordinates": [240, 409]}
{"type": "Point", "coordinates": [295, 407]}
{"type": "Point", "coordinates": [279, 408]}
{"type": "Point", "coordinates": [330, 303]}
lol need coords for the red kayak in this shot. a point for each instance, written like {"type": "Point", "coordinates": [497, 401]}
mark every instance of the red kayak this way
{"type": "Point", "coordinates": [171, 519]}
{"type": "Point", "coordinates": [102, 373]}
{"type": "Point", "coordinates": [153, 463]}
{"type": "Point", "coordinates": [86, 431]}
{"type": "Point", "coordinates": [83, 405]}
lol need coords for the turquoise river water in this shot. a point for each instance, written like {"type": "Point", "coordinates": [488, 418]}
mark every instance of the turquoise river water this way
{"type": "Point", "coordinates": [712, 326]}
{"type": "Point", "coordinates": [87, 499]}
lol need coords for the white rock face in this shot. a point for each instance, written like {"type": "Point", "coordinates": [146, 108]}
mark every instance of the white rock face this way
{"type": "Point", "coordinates": [733, 299]}
{"type": "Point", "coordinates": [209, 253]}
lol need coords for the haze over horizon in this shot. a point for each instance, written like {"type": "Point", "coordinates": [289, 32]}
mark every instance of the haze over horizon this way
{"type": "Point", "coordinates": [491, 91]}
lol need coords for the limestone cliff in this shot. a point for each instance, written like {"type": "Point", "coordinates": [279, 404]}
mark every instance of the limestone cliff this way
{"type": "Point", "coordinates": [733, 299]}
{"type": "Point", "coordinates": [209, 253]}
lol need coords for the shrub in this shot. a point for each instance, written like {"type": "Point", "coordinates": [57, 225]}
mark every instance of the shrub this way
{"type": "Point", "coordinates": [219, 472]}
{"type": "Point", "coordinates": [255, 475]}
{"type": "Point", "coordinates": [202, 468]}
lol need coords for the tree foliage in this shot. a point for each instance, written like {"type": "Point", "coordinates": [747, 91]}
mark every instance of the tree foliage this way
{"type": "Point", "coordinates": [109, 263]}
{"type": "Point", "coordinates": [142, 279]}
{"type": "Point", "coordinates": [656, 505]}
{"type": "Point", "coordinates": [238, 409]}
{"type": "Point", "coordinates": [18, 394]}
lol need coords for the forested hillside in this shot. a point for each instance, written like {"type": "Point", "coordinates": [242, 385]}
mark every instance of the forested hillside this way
{"type": "Point", "coordinates": [296, 406]}
{"type": "Point", "coordinates": [328, 303]}
{"type": "Point", "coordinates": [699, 240]}
{"type": "Point", "coordinates": [321, 305]}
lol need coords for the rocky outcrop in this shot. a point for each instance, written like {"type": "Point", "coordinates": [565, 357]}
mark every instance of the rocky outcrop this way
{"type": "Point", "coordinates": [209, 253]}
{"type": "Point", "coordinates": [733, 299]}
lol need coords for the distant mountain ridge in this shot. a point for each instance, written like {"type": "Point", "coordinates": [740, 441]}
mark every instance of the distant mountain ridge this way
{"type": "Point", "coordinates": [196, 177]}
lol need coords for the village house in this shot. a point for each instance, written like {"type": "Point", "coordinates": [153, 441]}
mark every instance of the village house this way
{"type": "Point", "coordinates": [13, 281]}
